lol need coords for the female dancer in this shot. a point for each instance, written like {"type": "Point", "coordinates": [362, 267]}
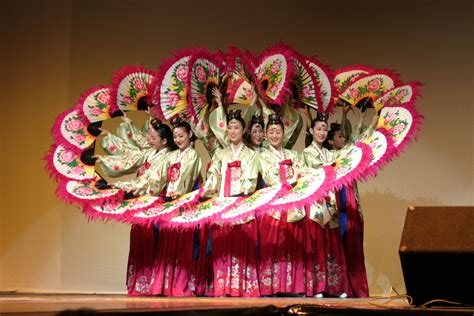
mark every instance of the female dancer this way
{"type": "Point", "coordinates": [281, 266]}
{"type": "Point", "coordinates": [234, 247]}
{"type": "Point", "coordinates": [174, 271]}
{"type": "Point", "coordinates": [148, 158]}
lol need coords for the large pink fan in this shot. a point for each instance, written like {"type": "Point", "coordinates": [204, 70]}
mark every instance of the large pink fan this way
{"type": "Point", "coordinates": [130, 84]}
{"type": "Point", "coordinates": [273, 74]}
{"type": "Point", "coordinates": [204, 77]}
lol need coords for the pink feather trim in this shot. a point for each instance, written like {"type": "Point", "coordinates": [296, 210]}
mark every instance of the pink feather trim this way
{"type": "Point", "coordinates": [372, 170]}
{"type": "Point", "coordinates": [359, 172]}
{"type": "Point", "coordinates": [155, 86]}
{"type": "Point", "coordinates": [80, 103]}
{"type": "Point", "coordinates": [330, 74]}
{"type": "Point", "coordinates": [288, 54]}
{"type": "Point", "coordinates": [117, 78]}
{"type": "Point", "coordinates": [58, 135]}
{"type": "Point", "coordinates": [316, 196]}
{"type": "Point", "coordinates": [214, 59]}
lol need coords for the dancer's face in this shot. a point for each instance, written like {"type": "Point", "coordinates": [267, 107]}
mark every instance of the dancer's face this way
{"type": "Point", "coordinates": [235, 131]}
{"type": "Point", "coordinates": [338, 141]}
{"type": "Point", "coordinates": [181, 137]}
{"type": "Point", "coordinates": [256, 135]}
{"type": "Point", "coordinates": [275, 135]}
{"type": "Point", "coordinates": [154, 139]}
{"type": "Point", "coordinates": [320, 132]}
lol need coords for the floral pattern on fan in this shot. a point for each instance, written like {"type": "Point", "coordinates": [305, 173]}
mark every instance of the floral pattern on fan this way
{"type": "Point", "coordinates": [346, 78]}
{"type": "Point", "coordinates": [173, 89]}
{"type": "Point", "coordinates": [398, 95]}
{"type": "Point", "coordinates": [203, 211]}
{"type": "Point", "coordinates": [396, 121]}
{"type": "Point", "coordinates": [131, 88]}
{"type": "Point", "coordinates": [306, 84]}
{"type": "Point", "coordinates": [248, 205]}
{"type": "Point", "coordinates": [348, 160]}
{"type": "Point", "coordinates": [88, 191]}
{"type": "Point", "coordinates": [272, 73]}
{"type": "Point", "coordinates": [371, 86]}
{"type": "Point", "coordinates": [204, 76]}
{"type": "Point", "coordinates": [96, 105]}
{"type": "Point", "coordinates": [73, 129]}
{"type": "Point", "coordinates": [68, 163]}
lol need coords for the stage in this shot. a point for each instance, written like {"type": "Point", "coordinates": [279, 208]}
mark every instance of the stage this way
{"type": "Point", "coordinates": [52, 304]}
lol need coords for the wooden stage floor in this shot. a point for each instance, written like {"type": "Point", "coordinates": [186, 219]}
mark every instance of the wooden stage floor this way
{"type": "Point", "coordinates": [51, 304]}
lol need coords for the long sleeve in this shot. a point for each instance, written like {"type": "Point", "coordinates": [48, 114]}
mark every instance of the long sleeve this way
{"type": "Point", "coordinates": [218, 125]}
{"type": "Point", "coordinates": [130, 134]}
{"type": "Point", "coordinates": [214, 176]}
{"type": "Point", "coordinates": [182, 180]}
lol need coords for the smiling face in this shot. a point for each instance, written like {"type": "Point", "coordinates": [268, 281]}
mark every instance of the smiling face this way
{"type": "Point", "coordinates": [256, 135]}
{"type": "Point", "coordinates": [181, 137]}
{"type": "Point", "coordinates": [320, 132]}
{"type": "Point", "coordinates": [275, 135]}
{"type": "Point", "coordinates": [154, 139]}
{"type": "Point", "coordinates": [235, 131]}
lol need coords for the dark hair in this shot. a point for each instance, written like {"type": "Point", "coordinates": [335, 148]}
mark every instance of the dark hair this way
{"type": "Point", "coordinates": [335, 127]}
{"type": "Point", "coordinates": [275, 119]}
{"type": "Point", "coordinates": [257, 120]}
{"type": "Point", "coordinates": [320, 117]}
{"type": "Point", "coordinates": [235, 115]}
{"type": "Point", "coordinates": [180, 123]}
{"type": "Point", "coordinates": [164, 131]}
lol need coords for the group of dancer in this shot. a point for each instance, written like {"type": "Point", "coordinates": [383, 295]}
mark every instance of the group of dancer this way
{"type": "Point", "coordinates": [308, 251]}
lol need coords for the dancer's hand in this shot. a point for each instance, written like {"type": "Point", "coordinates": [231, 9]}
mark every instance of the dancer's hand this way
{"type": "Point", "coordinates": [103, 131]}
{"type": "Point", "coordinates": [217, 95]}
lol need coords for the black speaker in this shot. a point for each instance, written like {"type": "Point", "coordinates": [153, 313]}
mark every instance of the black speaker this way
{"type": "Point", "coordinates": [437, 254]}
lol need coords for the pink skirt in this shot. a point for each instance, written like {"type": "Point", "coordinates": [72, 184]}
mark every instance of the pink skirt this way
{"type": "Point", "coordinates": [172, 273]}
{"type": "Point", "coordinates": [235, 260]}
{"type": "Point", "coordinates": [282, 256]}
{"type": "Point", "coordinates": [140, 260]}
{"type": "Point", "coordinates": [327, 270]}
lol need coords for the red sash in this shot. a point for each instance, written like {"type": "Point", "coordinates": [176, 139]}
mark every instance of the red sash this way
{"type": "Point", "coordinates": [232, 173]}
{"type": "Point", "coordinates": [173, 172]}
{"type": "Point", "coordinates": [286, 170]}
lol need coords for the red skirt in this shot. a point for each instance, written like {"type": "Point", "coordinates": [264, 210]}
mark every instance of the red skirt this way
{"type": "Point", "coordinates": [235, 260]}
{"type": "Point", "coordinates": [282, 256]}
{"type": "Point", "coordinates": [354, 245]}
{"type": "Point", "coordinates": [140, 260]}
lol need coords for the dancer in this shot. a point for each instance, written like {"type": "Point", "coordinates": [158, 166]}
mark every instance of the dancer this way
{"type": "Point", "coordinates": [148, 159]}
{"type": "Point", "coordinates": [281, 266]}
{"type": "Point", "coordinates": [175, 267]}
{"type": "Point", "coordinates": [234, 172]}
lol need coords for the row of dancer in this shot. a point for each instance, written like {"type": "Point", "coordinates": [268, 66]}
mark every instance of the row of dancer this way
{"type": "Point", "coordinates": [307, 251]}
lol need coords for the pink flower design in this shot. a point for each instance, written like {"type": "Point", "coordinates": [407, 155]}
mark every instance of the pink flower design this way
{"type": "Point", "coordinates": [374, 85]}
{"type": "Point", "coordinates": [354, 93]}
{"type": "Point", "coordinates": [389, 118]}
{"type": "Point", "coordinates": [84, 191]}
{"type": "Point", "coordinates": [341, 171]}
{"type": "Point", "coordinates": [373, 145]}
{"type": "Point", "coordinates": [127, 100]}
{"type": "Point", "coordinates": [116, 167]}
{"type": "Point", "coordinates": [397, 129]}
{"type": "Point", "coordinates": [129, 134]}
{"type": "Point", "coordinates": [96, 111]}
{"type": "Point", "coordinates": [112, 148]}
{"type": "Point", "coordinates": [273, 89]}
{"type": "Point", "coordinates": [221, 124]}
{"type": "Point", "coordinates": [287, 123]}
{"type": "Point", "coordinates": [77, 170]}
{"type": "Point", "coordinates": [138, 84]}
{"type": "Point", "coordinates": [211, 71]}
{"type": "Point", "coordinates": [74, 125]}
{"type": "Point", "coordinates": [172, 99]}
{"type": "Point", "coordinates": [79, 138]}
{"type": "Point", "coordinates": [200, 73]}
{"type": "Point", "coordinates": [275, 67]}
{"type": "Point", "coordinates": [248, 94]}
{"type": "Point", "coordinates": [103, 98]}
{"type": "Point", "coordinates": [110, 206]}
{"type": "Point", "coordinates": [67, 156]}
{"type": "Point", "coordinates": [306, 91]}
{"type": "Point", "coordinates": [260, 72]}
{"type": "Point", "coordinates": [182, 73]}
